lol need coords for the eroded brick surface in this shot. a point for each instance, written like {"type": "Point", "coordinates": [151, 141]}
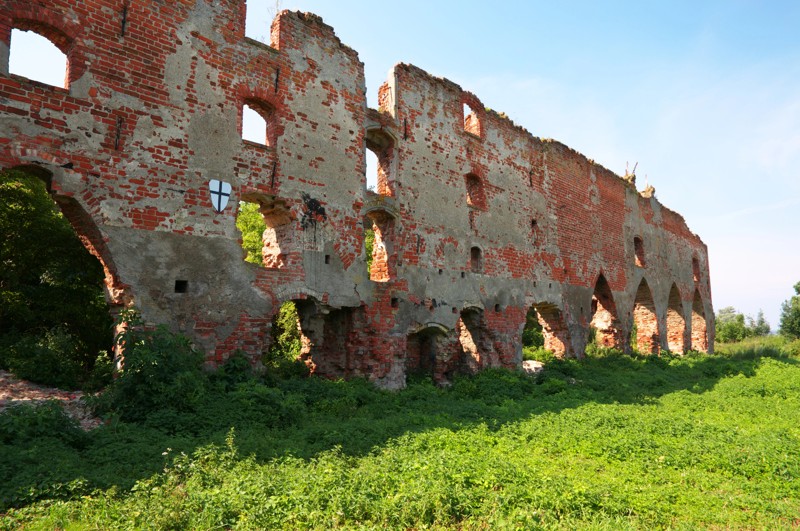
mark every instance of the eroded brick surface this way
{"type": "Point", "coordinates": [476, 220]}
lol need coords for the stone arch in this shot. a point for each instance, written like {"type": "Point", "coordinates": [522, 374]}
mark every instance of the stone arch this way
{"type": "Point", "coordinates": [605, 319]}
{"type": "Point", "coordinates": [676, 324]}
{"type": "Point", "coordinates": [53, 26]}
{"type": "Point", "coordinates": [382, 144]}
{"type": "Point", "coordinates": [699, 326]}
{"type": "Point", "coordinates": [645, 320]}
{"type": "Point", "coordinates": [554, 328]}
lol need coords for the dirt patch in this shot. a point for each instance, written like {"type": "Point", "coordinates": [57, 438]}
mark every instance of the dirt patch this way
{"type": "Point", "coordinates": [14, 392]}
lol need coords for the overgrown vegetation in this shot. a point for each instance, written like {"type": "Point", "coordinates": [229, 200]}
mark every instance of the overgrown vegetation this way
{"type": "Point", "coordinates": [611, 441]}
{"type": "Point", "coordinates": [54, 323]}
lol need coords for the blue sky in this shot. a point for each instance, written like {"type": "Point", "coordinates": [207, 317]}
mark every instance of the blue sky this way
{"type": "Point", "coordinates": [703, 95]}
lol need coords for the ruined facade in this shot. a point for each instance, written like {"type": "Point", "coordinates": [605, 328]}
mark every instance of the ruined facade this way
{"type": "Point", "coordinates": [476, 221]}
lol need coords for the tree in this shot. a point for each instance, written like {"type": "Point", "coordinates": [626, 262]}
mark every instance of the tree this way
{"type": "Point", "coordinates": [251, 223]}
{"type": "Point", "coordinates": [758, 326]}
{"type": "Point", "coordinates": [790, 315]}
{"type": "Point", "coordinates": [52, 307]}
{"type": "Point", "coordinates": [730, 325]}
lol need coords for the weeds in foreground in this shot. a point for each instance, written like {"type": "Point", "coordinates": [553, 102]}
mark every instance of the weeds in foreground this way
{"type": "Point", "coordinates": [612, 441]}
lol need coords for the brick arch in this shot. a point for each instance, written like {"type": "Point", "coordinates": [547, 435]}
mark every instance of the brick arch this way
{"type": "Point", "coordinates": [117, 293]}
{"type": "Point", "coordinates": [605, 319]}
{"type": "Point", "coordinates": [676, 324]}
{"type": "Point", "coordinates": [644, 318]}
{"type": "Point", "coordinates": [55, 27]}
{"type": "Point", "coordinates": [699, 324]}
{"type": "Point", "coordinates": [267, 104]}
{"type": "Point", "coordinates": [554, 328]}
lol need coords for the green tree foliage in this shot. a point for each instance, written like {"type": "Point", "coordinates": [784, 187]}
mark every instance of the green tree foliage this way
{"type": "Point", "coordinates": [369, 245]}
{"type": "Point", "coordinates": [53, 313]}
{"type": "Point", "coordinates": [532, 335]}
{"type": "Point", "coordinates": [732, 326]}
{"type": "Point", "coordinates": [790, 315]}
{"type": "Point", "coordinates": [251, 224]}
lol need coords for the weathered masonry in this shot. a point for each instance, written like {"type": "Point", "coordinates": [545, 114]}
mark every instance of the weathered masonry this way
{"type": "Point", "coordinates": [476, 221]}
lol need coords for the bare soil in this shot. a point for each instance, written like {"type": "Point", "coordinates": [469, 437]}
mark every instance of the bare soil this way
{"type": "Point", "coordinates": [14, 392]}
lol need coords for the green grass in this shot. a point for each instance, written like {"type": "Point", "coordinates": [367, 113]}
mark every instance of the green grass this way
{"type": "Point", "coordinates": [610, 442]}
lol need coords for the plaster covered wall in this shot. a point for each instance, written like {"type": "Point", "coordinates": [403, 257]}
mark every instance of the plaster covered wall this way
{"type": "Point", "coordinates": [476, 220]}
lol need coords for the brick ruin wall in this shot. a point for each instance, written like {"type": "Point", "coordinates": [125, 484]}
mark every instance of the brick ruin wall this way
{"type": "Point", "coordinates": [476, 221]}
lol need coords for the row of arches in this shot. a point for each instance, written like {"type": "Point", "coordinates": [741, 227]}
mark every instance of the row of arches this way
{"type": "Point", "coordinates": [646, 332]}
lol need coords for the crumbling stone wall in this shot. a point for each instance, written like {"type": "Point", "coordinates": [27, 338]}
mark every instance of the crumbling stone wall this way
{"type": "Point", "coordinates": [476, 220]}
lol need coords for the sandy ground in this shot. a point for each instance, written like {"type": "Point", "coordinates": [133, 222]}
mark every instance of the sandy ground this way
{"type": "Point", "coordinates": [14, 391]}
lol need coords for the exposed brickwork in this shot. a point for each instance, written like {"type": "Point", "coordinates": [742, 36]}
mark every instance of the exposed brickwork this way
{"type": "Point", "coordinates": [476, 220]}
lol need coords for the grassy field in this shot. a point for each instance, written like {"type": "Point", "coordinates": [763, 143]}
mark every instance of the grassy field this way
{"type": "Point", "coordinates": [609, 442]}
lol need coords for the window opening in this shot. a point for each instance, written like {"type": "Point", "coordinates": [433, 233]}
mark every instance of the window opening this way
{"type": "Point", "coordinates": [476, 196]}
{"type": "Point", "coordinates": [471, 122]}
{"type": "Point", "coordinates": [476, 260]}
{"type": "Point", "coordinates": [35, 57]}
{"type": "Point", "coordinates": [638, 248]}
{"type": "Point", "coordinates": [696, 269]}
{"type": "Point", "coordinates": [699, 328]}
{"type": "Point", "coordinates": [378, 245]}
{"type": "Point", "coordinates": [372, 171]}
{"type": "Point", "coordinates": [255, 124]}
{"type": "Point", "coordinates": [181, 286]}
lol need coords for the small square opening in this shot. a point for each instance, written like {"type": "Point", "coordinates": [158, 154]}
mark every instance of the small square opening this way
{"type": "Point", "coordinates": [327, 259]}
{"type": "Point", "coordinates": [395, 302]}
{"type": "Point", "coordinates": [497, 307]}
{"type": "Point", "coordinates": [181, 286]}
{"type": "Point", "coordinates": [463, 274]}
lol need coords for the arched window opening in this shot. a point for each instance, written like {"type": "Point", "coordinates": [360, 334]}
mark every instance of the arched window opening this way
{"type": "Point", "coordinates": [647, 340]}
{"type": "Point", "coordinates": [55, 313]}
{"type": "Point", "coordinates": [372, 171]}
{"type": "Point", "coordinates": [699, 328]}
{"type": "Point", "coordinates": [257, 123]}
{"type": "Point", "coordinates": [251, 224]}
{"type": "Point", "coordinates": [476, 260]}
{"type": "Point", "coordinates": [380, 149]}
{"type": "Point", "coordinates": [287, 338]}
{"type": "Point", "coordinates": [472, 124]}
{"type": "Point", "coordinates": [638, 249]}
{"type": "Point", "coordinates": [265, 224]}
{"type": "Point", "coordinates": [676, 324]}
{"type": "Point", "coordinates": [695, 269]}
{"type": "Point", "coordinates": [545, 329]}
{"type": "Point", "coordinates": [476, 196]}
{"type": "Point", "coordinates": [379, 245]}
{"type": "Point", "coordinates": [35, 57]}
{"type": "Point", "coordinates": [604, 320]}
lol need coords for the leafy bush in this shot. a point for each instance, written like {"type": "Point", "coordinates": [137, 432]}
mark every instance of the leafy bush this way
{"type": "Point", "coordinates": [538, 354]}
{"type": "Point", "coordinates": [161, 370]}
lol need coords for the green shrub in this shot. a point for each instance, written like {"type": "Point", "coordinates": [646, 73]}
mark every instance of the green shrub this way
{"type": "Point", "coordinates": [538, 354]}
{"type": "Point", "coordinates": [161, 370]}
{"type": "Point", "coordinates": [54, 358]}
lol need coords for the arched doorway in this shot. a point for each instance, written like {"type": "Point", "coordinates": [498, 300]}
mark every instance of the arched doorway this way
{"type": "Point", "coordinates": [676, 324]}
{"type": "Point", "coordinates": [604, 316]}
{"type": "Point", "coordinates": [645, 322]}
